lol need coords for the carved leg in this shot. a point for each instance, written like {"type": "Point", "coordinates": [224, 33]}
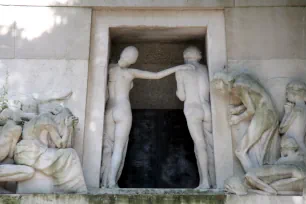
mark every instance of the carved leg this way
{"type": "Point", "coordinates": [122, 131]}
{"type": "Point", "coordinates": [108, 146]}
{"type": "Point", "coordinates": [210, 155]}
{"type": "Point", "coordinates": [256, 129]}
{"type": "Point", "coordinates": [11, 172]}
{"type": "Point", "coordinates": [254, 181]}
{"type": "Point", "coordinates": [196, 132]}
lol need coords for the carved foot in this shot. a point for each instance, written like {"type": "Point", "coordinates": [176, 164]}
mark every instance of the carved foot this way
{"type": "Point", "coordinates": [202, 187]}
{"type": "Point", "coordinates": [113, 186]}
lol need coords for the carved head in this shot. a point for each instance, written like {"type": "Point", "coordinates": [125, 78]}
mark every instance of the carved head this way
{"type": "Point", "coordinates": [222, 82]}
{"type": "Point", "coordinates": [192, 53]}
{"type": "Point", "coordinates": [235, 185]}
{"type": "Point", "coordinates": [296, 91]}
{"type": "Point", "coordinates": [128, 56]}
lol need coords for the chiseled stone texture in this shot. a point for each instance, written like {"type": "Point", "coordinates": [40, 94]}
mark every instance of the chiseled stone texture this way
{"type": "Point", "coordinates": [273, 74]}
{"type": "Point", "coordinates": [120, 3]}
{"type": "Point", "coordinates": [266, 33]}
{"type": "Point", "coordinates": [113, 198]}
{"type": "Point", "coordinates": [248, 3]}
{"type": "Point", "coordinates": [49, 77]}
{"type": "Point", "coordinates": [44, 32]}
{"type": "Point", "coordinates": [262, 199]}
{"type": "Point", "coordinates": [7, 25]}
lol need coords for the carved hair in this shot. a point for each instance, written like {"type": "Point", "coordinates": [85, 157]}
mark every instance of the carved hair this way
{"type": "Point", "coordinates": [192, 52]}
{"type": "Point", "coordinates": [226, 77]}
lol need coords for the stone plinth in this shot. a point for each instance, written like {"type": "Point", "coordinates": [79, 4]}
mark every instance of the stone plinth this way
{"type": "Point", "coordinates": [262, 199]}
{"type": "Point", "coordinates": [152, 196]}
{"type": "Point", "coordinates": [120, 196]}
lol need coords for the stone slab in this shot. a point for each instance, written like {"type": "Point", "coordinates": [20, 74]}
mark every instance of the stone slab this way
{"type": "Point", "coordinates": [7, 28]}
{"type": "Point", "coordinates": [52, 33]}
{"type": "Point", "coordinates": [114, 198]}
{"type": "Point", "coordinates": [261, 199]}
{"type": "Point", "coordinates": [50, 78]}
{"type": "Point", "coordinates": [125, 4]}
{"type": "Point", "coordinates": [265, 33]}
{"type": "Point", "coordinates": [249, 3]}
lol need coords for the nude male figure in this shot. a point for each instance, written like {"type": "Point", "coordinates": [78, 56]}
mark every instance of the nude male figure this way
{"type": "Point", "coordinates": [118, 116]}
{"type": "Point", "coordinates": [193, 89]}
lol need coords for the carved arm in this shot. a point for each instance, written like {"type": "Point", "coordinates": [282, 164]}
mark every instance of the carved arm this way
{"type": "Point", "coordinates": [180, 91]}
{"type": "Point", "coordinates": [158, 75]}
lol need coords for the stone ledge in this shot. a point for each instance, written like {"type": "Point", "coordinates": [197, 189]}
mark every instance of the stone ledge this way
{"type": "Point", "coordinates": [151, 196]}
{"type": "Point", "coordinates": [124, 197]}
{"type": "Point", "coordinates": [123, 4]}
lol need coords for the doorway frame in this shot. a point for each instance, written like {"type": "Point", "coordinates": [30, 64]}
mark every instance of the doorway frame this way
{"type": "Point", "coordinates": [105, 19]}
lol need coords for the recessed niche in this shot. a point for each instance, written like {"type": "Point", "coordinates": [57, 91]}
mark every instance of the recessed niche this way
{"type": "Point", "coordinates": [159, 48]}
{"type": "Point", "coordinates": [160, 152]}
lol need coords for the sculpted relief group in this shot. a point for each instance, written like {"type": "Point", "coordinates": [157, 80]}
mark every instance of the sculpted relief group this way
{"type": "Point", "coordinates": [37, 136]}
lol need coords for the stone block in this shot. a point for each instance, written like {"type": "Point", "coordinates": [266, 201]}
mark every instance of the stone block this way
{"type": "Point", "coordinates": [7, 28]}
{"type": "Point", "coordinates": [265, 33]}
{"type": "Point", "coordinates": [52, 33]}
{"type": "Point", "coordinates": [260, 199]}
{"type": "Point", "coordinates": [126, 4]}
{"type": "Point", "coordinates": [249, 3]}
{"type": "Point", "coordinates": [51, 78]}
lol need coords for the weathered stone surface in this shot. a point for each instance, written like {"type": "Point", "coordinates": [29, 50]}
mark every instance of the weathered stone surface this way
{"type": "Point", "coordinates": [273, 74]}
{"type": "Point", "coordinates": [22, 78]}
{"type": "Point", "coordinates": [116, 197]}
{"type": "Point", "coordinates": [248, 3]}
{"type": "Point", "coordinates": [265, 33]}
{"type": "Point", "coordinates": [52, 33]}
{"type": "Point", "coordinates": [7, 27]}
{"type": "Point", "coordinates": [119, 3]}
{"type": "Point", "coordinates": [260, 199]}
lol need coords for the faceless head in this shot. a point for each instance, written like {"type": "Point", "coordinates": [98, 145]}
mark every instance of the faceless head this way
{"type": "Point", "coordinates": [222, 82]}
{"type": "Point", "coordinates": [296, 91]}
{"type": "Point", "coordinates": [128, 56]}
{"type": "Point", "coordinates": [192, 54]}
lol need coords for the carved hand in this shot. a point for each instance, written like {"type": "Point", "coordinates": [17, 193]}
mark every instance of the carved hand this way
{"type": "Point", "coordinates": [234, 120]}
{"type": "Point", "coordinates": [288, 107]}
{"type": "Point", "coordinates": [186, 67]}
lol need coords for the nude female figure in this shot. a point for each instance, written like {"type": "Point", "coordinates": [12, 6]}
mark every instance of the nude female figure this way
{"type": "Point", "coordinates": [118, 118]}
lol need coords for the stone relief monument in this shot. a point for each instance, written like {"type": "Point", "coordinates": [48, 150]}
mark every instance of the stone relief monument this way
{"type": "Point", "coordinates": [42, 160]}
{"type": "Point", "coordinates": [118, 116]}
{"type": "Point", "coordinates": [193, 89]}
{"type": "Point", "coordinates": [262, 135]}
{"type": "Point", "coordinates": [285, 176]}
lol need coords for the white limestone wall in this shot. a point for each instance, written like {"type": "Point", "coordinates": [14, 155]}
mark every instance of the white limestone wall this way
{"type": "Point", "coordinates": [45, 50]}
{"type": "Point", "coordinates": [269, 43]}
